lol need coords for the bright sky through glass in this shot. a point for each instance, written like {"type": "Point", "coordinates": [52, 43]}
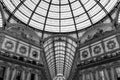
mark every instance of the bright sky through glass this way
{"type": "Point", "coordinates": [60, 53]}
{"type": "Point", "coordinates": [60, 15]}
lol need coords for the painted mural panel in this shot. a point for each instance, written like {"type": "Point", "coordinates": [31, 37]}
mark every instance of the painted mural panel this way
{"type": "Point", "coordinates": [23, 49]}
{"type": "Point", "coordinates": [111, 43]}
{"type": "Point", "coordinates": [84, 53]}
{"type": "Point", "coordinates": [97, 49]}
{"type": "Point", "coordinates": [35, 53]}
{"type": "Point", "coordinates": [9, 44]}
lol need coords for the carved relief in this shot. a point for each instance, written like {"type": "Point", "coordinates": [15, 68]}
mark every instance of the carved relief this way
{"type": "Point", "coordinates": [24, 32]}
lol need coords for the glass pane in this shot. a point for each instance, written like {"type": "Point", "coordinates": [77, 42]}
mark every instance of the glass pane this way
{"type": "Point", "coordinates": [61, 16]}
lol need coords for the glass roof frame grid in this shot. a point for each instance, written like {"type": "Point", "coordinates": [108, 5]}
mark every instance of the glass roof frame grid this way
{"type": "Point", "coordinates": [49, 59]}
{"type": "Point", "coordinates": [54, 57]}
{"type": "Point", "coordinates": [33, 11]}
{"type": "Point", "coordinates": [86, 12]}
{"type": "Point", "coordinates": [66, 63]}
{"type": "Point", "coordinates": [73, 19]}
{"type": "Point", "coordinates": [65, 58]}
{"type": "Point", "coordinates": [46, 18]}
{"type": "Point", "coordinates": [104, 10]}
{"type": "Point", "coordinates": [59, 15]}
{"type": "Point", "coordinates": [16, 8]}
{"type": "Point", "coordinates": [59, 49]}
{"type": "Point", "coordinates": [58, 46]}
{"type": "Point", "coordinates": [61, 61]}
{"type": "Point", "coordinates": [56, 54]}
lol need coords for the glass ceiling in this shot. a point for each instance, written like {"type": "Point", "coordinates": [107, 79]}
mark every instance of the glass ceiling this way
{"type": "Point", "coordinates": [59, 53]}
{"type": "Point", "coordinates": [59, 15]}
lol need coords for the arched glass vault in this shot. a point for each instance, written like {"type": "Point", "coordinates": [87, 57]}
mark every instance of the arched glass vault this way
{"type": "Point", "coordinates": [59, 15]}
{"type": "Point", "coordinates": [60, 53]}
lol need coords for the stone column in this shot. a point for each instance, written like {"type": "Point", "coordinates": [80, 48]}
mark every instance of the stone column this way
{"type": "Point", "coordinates": [80, 76]}
{"type": "Point", "coordinates": [96, 75]}
{"type": "Point", "coordinates": [13, 74]}
{"type": "Point", "coordinates": [11, 70]}
{"type": "Point", "coordinates": [83, 77]}
{"type": "Point", "coordinates": [7, 73]}
{"type": "Point", "coordinates": [106, 74]}
{"type": "Point", "coordinates": [26, 73]}
{"type": "Point", "coordinates": [28, 76]}
{"type": "Point", "coordinates": [39, 77]}
{"type": "Point", "coordinates": [36, 76]}
{"type": "Point", "coordinates": [113, 73]}
{"type": "Point", "coordinates": [91, 75]}
{"type": "Point", "coordinates": [23, 75]}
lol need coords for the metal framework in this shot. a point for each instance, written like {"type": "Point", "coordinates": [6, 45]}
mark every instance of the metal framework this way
{"type": "Point", "coordinates": [59, 16]}
{"type": "Point", "coordinates": [59, 53]}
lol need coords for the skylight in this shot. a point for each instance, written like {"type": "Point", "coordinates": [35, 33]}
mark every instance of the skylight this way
{"type": "Point", "coordinates": [60, 15]}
